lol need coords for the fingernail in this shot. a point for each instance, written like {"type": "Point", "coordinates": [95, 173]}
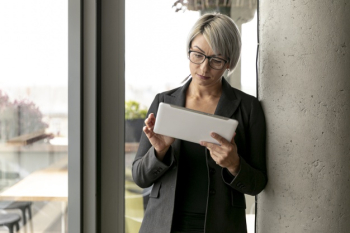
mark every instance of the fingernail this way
{"type": "Point", "coordinates": [212, 134]}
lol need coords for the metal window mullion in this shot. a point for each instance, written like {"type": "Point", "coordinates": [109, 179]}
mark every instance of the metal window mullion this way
{"type": "Point", "coordinates": [75, 133]}
{"type": "Point", "coordinates": [112, 98]}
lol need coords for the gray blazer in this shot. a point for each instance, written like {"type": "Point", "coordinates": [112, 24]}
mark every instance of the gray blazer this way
{"type": "Point", "coordinates": [226, 202]}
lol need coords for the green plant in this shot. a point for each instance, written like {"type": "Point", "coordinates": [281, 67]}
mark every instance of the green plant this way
{"type": "Point", "coordinates": [133, 111]}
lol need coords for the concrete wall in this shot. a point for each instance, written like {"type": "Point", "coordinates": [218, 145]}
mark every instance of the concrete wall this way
{"type": "Point", "coordinates": [304, 86]}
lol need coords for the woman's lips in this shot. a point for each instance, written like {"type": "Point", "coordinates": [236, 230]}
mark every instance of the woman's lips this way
{"type": "Point", "coordinates": [202, 77]}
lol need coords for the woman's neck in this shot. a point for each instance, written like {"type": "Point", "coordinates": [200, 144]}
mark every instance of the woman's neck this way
{"type": "Point", "coordinates": [212, 91]}
{"type": "Point", "coordinates": [203, 98]}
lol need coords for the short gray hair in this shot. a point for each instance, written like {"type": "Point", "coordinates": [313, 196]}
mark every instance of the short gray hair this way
{"type": "Point", "coordinates": [222, 35]}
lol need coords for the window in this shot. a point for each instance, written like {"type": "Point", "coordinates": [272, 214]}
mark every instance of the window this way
{"type": "Point", "coordinates": [34, 113]}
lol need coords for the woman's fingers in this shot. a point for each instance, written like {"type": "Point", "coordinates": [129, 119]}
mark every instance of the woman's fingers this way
{"type": "Point", "coordinates": [211, 146]}
{"type": "Point", "coordinates": [149, 133]}
{"type": "Point", "coordinates": [224, 153]}
{"type": "Point", "coordinates": [216, 152]}
{"type": "Point", "coordinates": [150, 121]}
{"type": "Point", "coordinates": [225, 145]}
{"type": "Point", "coordinates": [221, 159]}
{"type": "Point", "coordinates": [222, 141]}
{"type": "Point", "coordinates": [215, 155]}
{"type": "Point", "coordinates": [233, 139]}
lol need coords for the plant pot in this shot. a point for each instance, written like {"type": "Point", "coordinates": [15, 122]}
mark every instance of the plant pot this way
{"type": "Point", "coordinates": [133, 130]}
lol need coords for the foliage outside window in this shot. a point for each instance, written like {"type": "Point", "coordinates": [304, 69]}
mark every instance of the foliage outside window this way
{"type": "Point", "coordinates": [133, 111]}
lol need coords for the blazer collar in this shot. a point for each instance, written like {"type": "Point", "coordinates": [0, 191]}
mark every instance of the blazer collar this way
{"type": "Point", "coordinates": [228, 102]}
{"type": "Point", "coordinates": [178, 97]}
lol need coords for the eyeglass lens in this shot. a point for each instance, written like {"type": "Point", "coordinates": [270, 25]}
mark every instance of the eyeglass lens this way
{"type": "Point", "coordinates": [199, 58]}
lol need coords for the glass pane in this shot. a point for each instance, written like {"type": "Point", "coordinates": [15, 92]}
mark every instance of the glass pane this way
{"type": "Point", "coordinates": [248, 80]}
{"type": "Point", "coordinates": [248, 56]}
{"type": "Point", "coordinates": [33, 114]}
{"type": "Point", "coordinates": [156, 61]}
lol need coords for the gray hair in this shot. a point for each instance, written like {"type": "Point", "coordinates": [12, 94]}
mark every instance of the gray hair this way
{"type": "Point", "coordinates": [222, 35]}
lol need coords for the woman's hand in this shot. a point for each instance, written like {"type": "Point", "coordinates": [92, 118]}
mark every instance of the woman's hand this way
{"type": "Point", "coordinates": [225, 154]}
{"type": "Point", "coordinates": [160, 142]}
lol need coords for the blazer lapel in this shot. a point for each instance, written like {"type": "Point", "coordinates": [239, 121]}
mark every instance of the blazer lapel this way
{"type": "Point", "coordinates": [228, 102]}
{"type": "Point", "coordinates": [178, 97]}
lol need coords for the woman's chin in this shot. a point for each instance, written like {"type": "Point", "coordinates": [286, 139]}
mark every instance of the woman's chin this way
{"type": "Point", "coordinates": [206, 81]}
{"type": "Point", "coordinates": [203, 79]}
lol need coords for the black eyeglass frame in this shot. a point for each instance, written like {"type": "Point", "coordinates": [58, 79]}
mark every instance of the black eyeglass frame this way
{"type": "Point", "coordinates": [209, 58]}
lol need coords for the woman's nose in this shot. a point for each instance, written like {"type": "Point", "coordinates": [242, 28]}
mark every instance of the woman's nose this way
{"type": "Point", "coordinates": [205, 65]}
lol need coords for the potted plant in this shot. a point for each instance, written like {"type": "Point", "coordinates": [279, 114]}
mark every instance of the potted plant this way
{"type": "Point", "coordinates": [134, 119]}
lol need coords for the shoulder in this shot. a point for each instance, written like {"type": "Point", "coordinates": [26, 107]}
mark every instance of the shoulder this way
{"type": "Point", "coordinates": [160, 97]}
{"type": "Point", "coordinates": [235, 94]}
{"type": "Point", "coordinates": [247, 101]}
{"type": "Point", "coordinates": [244, 96]}
{"type": "Point", "coordinates": [248, 104]}
{"type": "Point", "coordinates": [169, 92]}
{"type": "Point", "coordinates": [251, 107]}
{"type": "Point", "coordinates": [166, 95]}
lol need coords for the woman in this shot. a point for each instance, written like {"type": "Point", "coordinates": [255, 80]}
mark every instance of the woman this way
{"type": "Point", "coordinates": [201, 187]}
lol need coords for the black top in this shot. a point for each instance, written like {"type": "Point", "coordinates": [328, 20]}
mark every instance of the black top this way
{"type": "Point", "coordinates": [191, 189]}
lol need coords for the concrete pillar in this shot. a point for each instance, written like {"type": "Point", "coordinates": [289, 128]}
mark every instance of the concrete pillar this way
{"type": "Point", "coordinates": [304, 86]}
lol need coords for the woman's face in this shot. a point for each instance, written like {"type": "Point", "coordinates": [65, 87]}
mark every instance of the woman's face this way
{"type": "Point", "coordinates": [203, 74]}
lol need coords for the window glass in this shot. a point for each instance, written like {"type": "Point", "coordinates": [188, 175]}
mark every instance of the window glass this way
{"type": "Point", "coordinates": [33, 114]}
{"type": "Point", "coordinates": [248, 56]}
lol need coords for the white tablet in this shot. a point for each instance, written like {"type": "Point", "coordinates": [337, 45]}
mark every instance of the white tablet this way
{"type": "Point", "coordinates": [191, 125]}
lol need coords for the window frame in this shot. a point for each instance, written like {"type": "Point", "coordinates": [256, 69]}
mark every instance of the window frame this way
{"type": "Point", "coordinates": [96, 170]}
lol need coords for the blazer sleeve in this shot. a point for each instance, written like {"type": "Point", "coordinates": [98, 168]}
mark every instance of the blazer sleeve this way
{"type": "Point", "coordinates": [146, 168]}
{"type": "Point", "coordinates": [252, 177]}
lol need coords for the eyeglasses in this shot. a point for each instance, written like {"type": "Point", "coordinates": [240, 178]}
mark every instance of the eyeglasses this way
{"type": "Point", "coordinates": [214, 62]}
